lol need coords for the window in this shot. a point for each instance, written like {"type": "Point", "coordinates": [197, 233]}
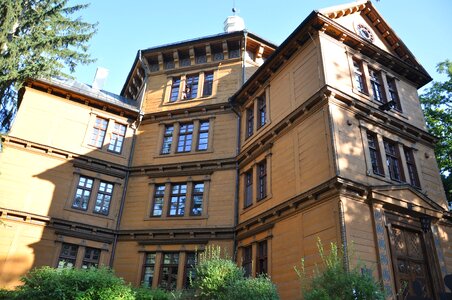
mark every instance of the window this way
{"type": "Point", "coordinates": [83, 193]}
{"type": "Point", "coordinates": [191, 260]}
{"type": "Point", "coordinates": [217, 52]}
{"type": "Point", "coordinates": [68, 256]}
{"type": "Point", "coordinates": [249, 122]}
{"type": "Point", "coordinates": [168, 61]}
{"type": "Point", "coordinates": [393, 96]}
{"type": "Point", "coordinates": [262, 180]}
{"type": "Point", "coordinates": [234, 49]}
{"type": "Point", "coordinates": [208, 83]}
{"type": "Point", "coordinates": [200, 55]}
{"type": "Point", "coordinates": [157, 207]}
{"type": "Point", "coordinates": [185, 137]}
{"type": "Point", "coordinates": [247, 260]}
{"type": "Point", "coordinates": [103, 198]}
{"type": "Point", "coordinates": [203, 137]}
{"type": "Point", "coordinates": [375, 81]}
{"type": "Point", "coordinates": [175, 85]}
{"type": "Point", "coordinates": [411, 166]}
{"type": "Point", "coordinates": [375, 156]}
{"type": "Point", "coordinates": [184, 58]}
{"type": "Point", "coordinates": [393, 160]}
{"type": "Point", "coordinates": [248, 188]}
{"type": "Point", "coordinates": [169, 270]}
{"type": "Point", "coordinates": [148, 269]}
{"type": "Point", "coordinates": [117, 138]}
{"type": "Point", "coordinates": [261, 106]}
{"type": "Point", "coordinates": [178, 197]}
{"type": "Point", "coordinates": [191, 87]}
{"type": "Point", "coordinates": [98, 134]}
{"type": "Point", "coordinates": [198, 193]}
{"type": "Point", "coordinates": [167, 139]}
{"type": "Point", "coordinates": [359, 77]}
{"type": "Point", "coordinates": [91, 258]}
{"type": "Point", "coordinates": [262, 264]}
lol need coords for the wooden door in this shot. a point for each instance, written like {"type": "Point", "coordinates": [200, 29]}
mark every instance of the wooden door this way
{"type": "Point", "coordinates": [411, 264]}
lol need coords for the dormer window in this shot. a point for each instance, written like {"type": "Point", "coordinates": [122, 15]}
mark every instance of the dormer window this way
{"type": "Point", "coordinates": [217, 52]}
{"type": "Point", "coordinates": [168, 61]}
{"type": "Point", "coordinates": [153, 64]}
{"type": "Point", "coordinates": [234, 49]}
{"type": "Point", "coordinates": [184, 58]}
{"type": "Point", "coordinates": [200, 55]}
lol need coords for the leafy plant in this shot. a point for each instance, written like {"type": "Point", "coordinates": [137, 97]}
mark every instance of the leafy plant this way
{"type": "Point", "coordinates": [333, 282]}
{"type": "Point", "coordinates": [219, 278]}
{"type": "Point", "coordinates": [259, 288]}
{"type": "Point", "coordinates": [90, 284]}
{"type": "Point", "coordinates": [151, 294]}
{"type": "Point", "coordinates": [214, 274]}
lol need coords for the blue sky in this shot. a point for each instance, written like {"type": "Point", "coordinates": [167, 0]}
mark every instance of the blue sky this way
{"type": "Point", "coordinates": [127, 26]}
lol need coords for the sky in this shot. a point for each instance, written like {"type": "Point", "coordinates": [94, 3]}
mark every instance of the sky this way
{"type": "Point", "coordinates": [124, 27]}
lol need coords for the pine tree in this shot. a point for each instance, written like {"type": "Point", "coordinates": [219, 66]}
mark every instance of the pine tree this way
{"type": "Point", "coordinates": [38, 39]}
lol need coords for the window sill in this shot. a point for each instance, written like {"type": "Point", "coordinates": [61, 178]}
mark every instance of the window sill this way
{"type": "Point", "coordinates": [193, 100]}
{"type": "Point", "coordinates": [255, 204]}
{"type": "Point", "coordinates": [183, 153]}
{"type": "Point", "coordinates": [175, 218]}
{"type": "Point", "coordinates": [105, 150]}
{"type": "Point", "coordinates": [87, 213]}
{"type": "Point", "coordinates": [250, 139]}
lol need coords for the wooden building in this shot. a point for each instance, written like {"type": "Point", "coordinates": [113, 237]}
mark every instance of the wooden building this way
{"type": "Point", "coordinates": [230, 140]}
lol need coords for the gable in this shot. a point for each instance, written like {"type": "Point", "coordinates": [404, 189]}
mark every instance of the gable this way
{"type": "Point", "coordinates": [406, 197]}
{"type": "Point", "coordinates": [363, 20]}
{"type": "Point", "coordinates": [356, 23]}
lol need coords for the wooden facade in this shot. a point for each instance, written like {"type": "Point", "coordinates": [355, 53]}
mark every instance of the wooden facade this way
{"type": "Point", "coordinates": [230, 140]}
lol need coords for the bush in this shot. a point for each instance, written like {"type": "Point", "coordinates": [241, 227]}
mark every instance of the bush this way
{"type": "Point", "coordinates": [214, 274]}
{"type": "Point", "coordinates": [334, 282]}
{"type": "Point", "coordinates": [91, 284]}
{"type": "Point", "coordinates": [151, 294]}
{"type": "Point", "coordinates": [259, 288]}
{"type": "Point", "coordinates": [5, 294]}
{"type": "Point", "coordinates": [220, 279]}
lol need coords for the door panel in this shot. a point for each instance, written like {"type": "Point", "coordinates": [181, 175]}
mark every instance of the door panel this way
{"type": "Point", "coordinates": [410, 263]}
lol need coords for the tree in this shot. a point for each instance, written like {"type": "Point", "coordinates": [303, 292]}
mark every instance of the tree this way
{"type": "Point", "coordinates": [38, 39]}
{"type": "Point", "coordinates": [437, 104]}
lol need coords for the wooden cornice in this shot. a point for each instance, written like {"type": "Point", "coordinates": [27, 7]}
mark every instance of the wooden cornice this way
{"type": "Point", "coordinates": [370, 113]}
{"type": "Point", "coordinates": [82, 99]}
{"type": "Point", "coordinates": [176, 235]}
{"type": "Point", "coordinates": [205, 167]}
{"type": "Point", "coordinates": [187, 112]}
{"type": "Point", "coordinates": [77, 159]}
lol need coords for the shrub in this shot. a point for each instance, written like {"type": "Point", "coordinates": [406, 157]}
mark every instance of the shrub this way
{"type": "Point", "coordinates": [334, 282]}
{"type": "Point", "coordinates": [5, 294]}
{"type": "Point", "coordinates": [214, 274]}
{"type": "Point", "coordinates": [151, 294]}
{"type": "Point", "coordinates": [90, 284]}
{"type": "Point", "coordinates": [259, 288]}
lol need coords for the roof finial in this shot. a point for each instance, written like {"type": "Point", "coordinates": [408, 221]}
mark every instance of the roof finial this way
{"type": "Point", "coordinates": [234, 10]}
{"type": "Point", "coordinates": [234, 22]}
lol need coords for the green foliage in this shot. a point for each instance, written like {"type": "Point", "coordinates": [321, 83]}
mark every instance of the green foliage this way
{"type": "Point", "coordinates": [38, 39]}
{"type": "Point", "coordinates": [219, 278]}
{"type": "Point", "coordinates": [437, 105]}
{"type": "Point", "coordinates": [333, 282]}
{"type": "Point", "coordinates": [151, 294]}
{"type": "Point", "coordinates": [214, 274]}
{"type": "Point", "coordinates": [91, 284]}
{"type": "Point", "coordinates": [260, 288]}
{"type": "Point", "coordinates": [5, 294]}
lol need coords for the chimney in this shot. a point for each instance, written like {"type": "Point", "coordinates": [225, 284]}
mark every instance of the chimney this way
{"type": "Point", "coordinates": [100, 78]}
